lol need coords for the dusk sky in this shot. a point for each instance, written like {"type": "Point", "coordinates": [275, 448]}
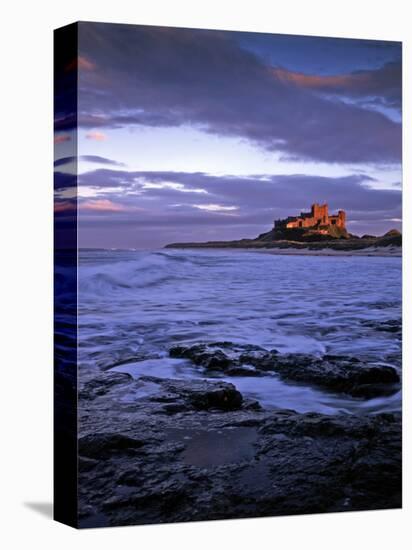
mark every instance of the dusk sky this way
{"type": "Point", "coordinates": [193, 135]}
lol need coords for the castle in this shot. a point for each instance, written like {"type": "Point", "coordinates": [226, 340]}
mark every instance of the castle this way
{"type": "Point", "coordinates": [317, 219]}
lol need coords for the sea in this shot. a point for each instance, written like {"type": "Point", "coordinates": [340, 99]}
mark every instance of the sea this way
{"type": "Point", "coordinates": [134, 305]}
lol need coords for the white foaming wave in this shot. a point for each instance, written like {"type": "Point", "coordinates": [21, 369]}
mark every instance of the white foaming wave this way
{"type": "Point", "coordinates": [289, 303]}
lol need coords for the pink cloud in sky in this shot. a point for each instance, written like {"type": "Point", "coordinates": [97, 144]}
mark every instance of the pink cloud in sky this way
{"type": "Point", "coordinates": [81, 62]}
{"type": "Point", "coordinates": [316, 81]}
{"type": "Point", "coordinates": [103, 205]}
{"type": "Point", "coordinates": [97, 136]}
{"type": "Point", "coordinates": [84, 63]}
{"type": "Point", "coordinates": [62, 138]}
{"type": "Point", "coordinates": [64, 206]}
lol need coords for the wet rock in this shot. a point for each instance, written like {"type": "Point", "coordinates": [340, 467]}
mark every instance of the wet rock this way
{"type": "Point", "coordinates": [268, 464]}
{"type": "Point", "coordinates": [162, 499]}
{"type": "Point", "coordinates": [86, 464]}
{"type": "Point", "coordinates": [210, 358]}
{"type": "Point", "coordinates": [340, 374]}
{"type": "Point", "coordinates": [316, 424]}
{"type": "Point", "coordinates": [102, 445]}
{"type": "Point", "coordinates": [157, 450]}
{"type": "Point", "coordinates": [251, 405]}
{"type": "Point", "coordinates": [221, 356]}
{"type": "Point", "coordinates": [243, 371]}
{"type": "Point", "coordinates": [225, 398]}
{"type": "Point", "coordinates": [173, 408]}
{"type": "Point", "coordinates": [130, 477]}
{"type": "Point", "coordinates": [205, 394]}
{"type": "Point", "coordinates": [100, 385]}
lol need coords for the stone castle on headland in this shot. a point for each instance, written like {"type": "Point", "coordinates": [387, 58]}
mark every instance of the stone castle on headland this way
{"type": "Point", "coordinates": [316, 228]}
{"type": "Point", "coordinates": [318, 219]}
{"type": "Point", "coordinates": [316, 225]}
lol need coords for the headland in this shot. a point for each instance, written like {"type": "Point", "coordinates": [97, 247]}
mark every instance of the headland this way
{"type": "Point", "coordinates": [314, 232]}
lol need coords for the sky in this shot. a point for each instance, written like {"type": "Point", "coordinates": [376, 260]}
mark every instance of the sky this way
{"type": "Point", "coordinates": [196, 135]}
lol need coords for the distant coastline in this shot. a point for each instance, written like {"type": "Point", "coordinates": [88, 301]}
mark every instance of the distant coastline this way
{"type": "Point", "coordinates": [312, 233]}
{"type": "Point", "coordinates": [389, 244]}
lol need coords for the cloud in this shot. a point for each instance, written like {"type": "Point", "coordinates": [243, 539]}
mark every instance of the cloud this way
{"type": "Point", "coordinates": [87, 158]}
{"type": "Point", "coordinates": [164, 184]}
{"type": "Point", "coordinates": [102, 205]}
{"type": "Point", "coordinates": [163, 77]}
{"type": "Point", "coordinates": [80, 63]}
{"type": "Point", "coordinates": [254, 191]}
{"type": "Point", "coordinates": [85, 64]}
{"type": "Point", "coordinates": [215, 207]}
{"type": "Point", "coordinates": [64, 207]}
{"type": "Point", "coordinates": [383, 84]}
{"type": "Point", "coordinates": [65, 121]}
{"type": "Point", "coordinates": [63, 180]}
{"type": "Point", "coordinates": [96, 136]}
{"type": "Point", "coordinates": [61, 138]}
{"type": "Point", "coordinates": [233, 207]}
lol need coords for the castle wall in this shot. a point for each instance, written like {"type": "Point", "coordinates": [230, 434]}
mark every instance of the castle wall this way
{"type": "Point", "coordinates": [339, 220]}
{"type": "Point", "coordinates": [301, 222]}
{"type": "Point", "coordinates": [318, 217]}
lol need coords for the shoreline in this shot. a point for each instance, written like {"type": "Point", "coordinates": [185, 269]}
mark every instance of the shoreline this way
{"type": "Point", "coordinates": [389, 252]}
{"type": "Point", "coordinates": [375, 252]}
{"type": "Point", "coordinates": [389, 244]}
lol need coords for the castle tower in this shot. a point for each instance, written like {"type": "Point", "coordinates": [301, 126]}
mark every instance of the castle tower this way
{"type": "Point", "coordinates": [320, 214]}
{"type": "Point", "coordinates": [318, 219]}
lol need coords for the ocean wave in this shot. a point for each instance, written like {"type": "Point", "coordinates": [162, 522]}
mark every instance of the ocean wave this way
{"type": "Point", "coordinates": [149, 301]}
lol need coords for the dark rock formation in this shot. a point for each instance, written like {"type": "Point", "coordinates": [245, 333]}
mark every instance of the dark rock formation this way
{"type": "Point", "coordinates": [335, 373]}
{"type": "Point", "coordinates": [141, 464]}
{"type": "Point", "coordinates": [225, 397]}
{"type": "Point", "coordinates": [101, 385]}
{"type": "Point", "coordinates": [392, 233]}
{"type": "Point", "coordinates": [339, 374]}
{"type": "Point", "coordinates": [304, 235]}
{"type": "Point", "coordinates": [102, 445]}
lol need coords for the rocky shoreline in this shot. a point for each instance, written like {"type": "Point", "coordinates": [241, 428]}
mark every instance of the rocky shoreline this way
{"type": "Point", "coordinates": [337, 373]}
{"type": "Point", "coordinates": [155, 450]}
{"type": "Point", "coordinates": [388, 244]}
